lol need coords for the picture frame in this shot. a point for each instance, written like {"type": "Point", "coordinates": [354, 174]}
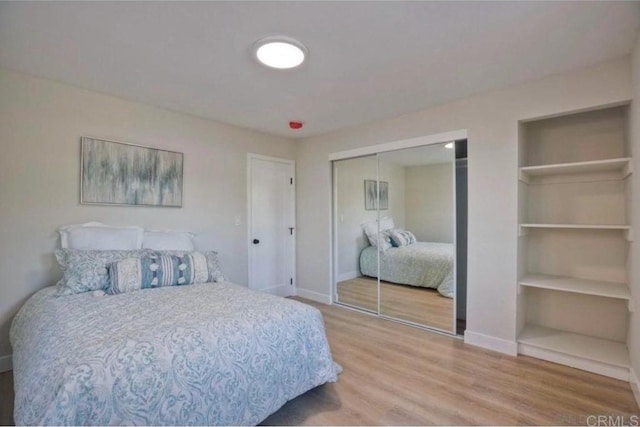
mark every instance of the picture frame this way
{"type": "Point", "coordinates": [119, 173]}
{"type": "Point", "coordinates": [371, 195]}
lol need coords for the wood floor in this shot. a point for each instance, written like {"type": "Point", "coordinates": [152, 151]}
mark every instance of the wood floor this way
{"type": "Point", "coordinates": [398, 375]}
{"type": "Point", "coordinates": [419, 305]}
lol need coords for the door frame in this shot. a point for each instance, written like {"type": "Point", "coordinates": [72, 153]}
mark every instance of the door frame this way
{"type": "Point", "coordinates": [292, 202]}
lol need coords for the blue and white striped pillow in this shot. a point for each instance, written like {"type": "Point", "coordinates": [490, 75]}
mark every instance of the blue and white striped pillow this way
{"type": "Point", "coordinates": [402, 238]}
{"type": "Point", "coordinates": [160, 270]}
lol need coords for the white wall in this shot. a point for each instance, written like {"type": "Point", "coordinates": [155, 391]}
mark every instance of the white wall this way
{"type": "Point", "coordinates": [634, 249]}
{"type": "Point", "coordinates": [491, 120]}
{"type": "Point", "coordinates": [429, 202]}
{"type": "Point", "coordinates": [351, 209]}
{"type": "Point", "coordinates": [40, 127]}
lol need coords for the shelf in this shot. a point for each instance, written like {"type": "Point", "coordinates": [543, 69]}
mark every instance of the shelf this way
{"type": "Point", "coordinates": [523, 230]}
{"type": "Point", "coordinates": [579, 226]}
{"type": "Point", "coordinates": [576, 285]}
{"type": "Point", "coordinates": [582, 346]}
{"type": "Point", "coordinates": [622, 165]}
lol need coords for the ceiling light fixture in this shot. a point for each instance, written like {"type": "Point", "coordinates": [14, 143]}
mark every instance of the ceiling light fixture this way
{"type": "Point", "coordinates": [449, 145]}
{"type": "Point", "coordinates": [280, 52]}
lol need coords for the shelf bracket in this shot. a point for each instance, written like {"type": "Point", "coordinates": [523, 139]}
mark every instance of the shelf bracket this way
{"type": "Point", "coordinates": [627, 170]}
{"type": "Point", "coordinates": [630, 303]}
{"type": "Point", "coordinates": [522, 231]}
{"type": "Point", "coordinates": [628, 234]}
{"type": "Point", "coordinates": [522, 176]}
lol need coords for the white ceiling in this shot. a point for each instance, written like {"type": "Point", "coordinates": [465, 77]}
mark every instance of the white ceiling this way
{"type": "Point", "coordinates": [368, 60]}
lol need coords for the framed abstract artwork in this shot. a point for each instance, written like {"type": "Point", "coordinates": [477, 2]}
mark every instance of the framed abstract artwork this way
{"type": "Point", "coordinates": [117, 173]}
{"type": "Point", "coordinates": [371, 195]}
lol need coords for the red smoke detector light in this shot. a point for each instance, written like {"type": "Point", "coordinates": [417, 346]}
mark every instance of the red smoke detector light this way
{"type": "Point", "coordinates": [295, 125]}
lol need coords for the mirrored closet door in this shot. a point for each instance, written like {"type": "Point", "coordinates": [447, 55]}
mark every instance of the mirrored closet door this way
{"type": "Point", "coordinates": [395, 235]}
{"type": "Point", "coordinates": [417, 261]}
{"type": "Point", "coordinates": [354, 205]}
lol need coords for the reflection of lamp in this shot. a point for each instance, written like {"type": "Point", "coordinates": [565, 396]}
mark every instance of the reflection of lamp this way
{"type": "Point", "coordinates": [449, 145]}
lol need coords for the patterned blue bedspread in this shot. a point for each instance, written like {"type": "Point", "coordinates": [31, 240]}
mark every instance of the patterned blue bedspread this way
{"type": "Point", "coordinates": [199, 354]}
{"type": "Point", "coordinates": [424, 264]}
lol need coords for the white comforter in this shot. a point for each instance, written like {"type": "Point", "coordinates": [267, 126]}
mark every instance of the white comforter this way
{"type": "Point", "coordinates": [424, 264]}
{"type": "Point", "coordinates": [199, 354]}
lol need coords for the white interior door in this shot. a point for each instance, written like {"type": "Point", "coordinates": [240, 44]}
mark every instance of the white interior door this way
{"type": "Point", "coordinates": [271, 223]}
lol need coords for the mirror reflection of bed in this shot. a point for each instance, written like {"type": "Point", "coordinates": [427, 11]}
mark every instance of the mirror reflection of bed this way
{"type": "Point", "coordinates": [395, 218]}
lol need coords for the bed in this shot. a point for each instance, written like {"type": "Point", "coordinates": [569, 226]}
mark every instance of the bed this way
{"type": "Point", "coordinates": [423, 264]}
{"type": "Point", "coordinates": [213, 353]}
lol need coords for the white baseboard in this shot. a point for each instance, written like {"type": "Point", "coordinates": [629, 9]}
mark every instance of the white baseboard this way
{"type": "Point", "coordinates": [348, 276]}
{"type": "Point", "coordinates": [314, 296]}
{"type": "Point", "coordinates": [6, 363]}
{"type": "Point", "coordinates": [635, 385]}
{"type": "Point", "coordinates": [281, 291]}
{"type": "Point", "coordinates": [491, 343]}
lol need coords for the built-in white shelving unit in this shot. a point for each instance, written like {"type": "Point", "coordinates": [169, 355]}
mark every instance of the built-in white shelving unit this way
{"type": "Point", "coordinates": [573, 240]}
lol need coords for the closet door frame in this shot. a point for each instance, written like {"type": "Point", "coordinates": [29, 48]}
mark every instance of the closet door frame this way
{"type": "Point", "coordinates": [439, 138]}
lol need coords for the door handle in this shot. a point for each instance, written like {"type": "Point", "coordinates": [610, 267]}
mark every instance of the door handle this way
{"type": "Point", "coordinates": [256, 241]}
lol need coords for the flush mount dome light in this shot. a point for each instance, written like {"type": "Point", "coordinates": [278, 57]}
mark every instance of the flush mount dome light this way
{"type": "Point", "coordinates": [449, 146]}
{"type": "Point", "coordinates": [280, 52]}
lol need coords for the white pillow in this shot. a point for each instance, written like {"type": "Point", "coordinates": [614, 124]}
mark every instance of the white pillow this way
{"type": "Point", "coordinates": [371, 230]}
{"type": "Point", "coordinates": [168, 241]}
{"type": "Point", "coordinates": [386, 224]}
{"type": "Point", "coordinates": [98, 236]}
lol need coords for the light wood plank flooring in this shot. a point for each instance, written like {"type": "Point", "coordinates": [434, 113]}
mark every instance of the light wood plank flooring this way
{"type": "Point", "coordinates": [399, 375]}
{"type": "Point", "coordinates": [419, 305]}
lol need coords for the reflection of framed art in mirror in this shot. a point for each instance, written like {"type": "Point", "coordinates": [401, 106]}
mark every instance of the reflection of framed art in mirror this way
{"type": "Point", "coordinates": [370, 195]}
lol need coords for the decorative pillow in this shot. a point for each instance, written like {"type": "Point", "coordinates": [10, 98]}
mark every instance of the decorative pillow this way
{"type": "Point", "coordinates": [85, 271]}
{"type": "Point", "coordinates": [168, 240]}
{"type": "Point", "coordinates": [98, 236]}
{"type": "Point", "coordinates": [157, 271]}
{"type": "Point", "coordinates": [212, 262]}
{"type": "Point", "coordinates": [371, 230]}
{"type": "Point", "coordinates": [402, 238]}
{"type": "Point", "coordinates": [385, 240]}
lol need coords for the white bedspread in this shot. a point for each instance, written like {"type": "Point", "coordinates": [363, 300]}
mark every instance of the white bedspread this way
{"type": "Point", "coordinates": [424, 264]}
{"type": "Point", "coordinates": [199, 354]}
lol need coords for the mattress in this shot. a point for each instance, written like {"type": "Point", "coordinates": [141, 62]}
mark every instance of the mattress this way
{"type": "Point", "coordinates": [205, 354]}
{"type": "Point", "coordinates": [423, 264]}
